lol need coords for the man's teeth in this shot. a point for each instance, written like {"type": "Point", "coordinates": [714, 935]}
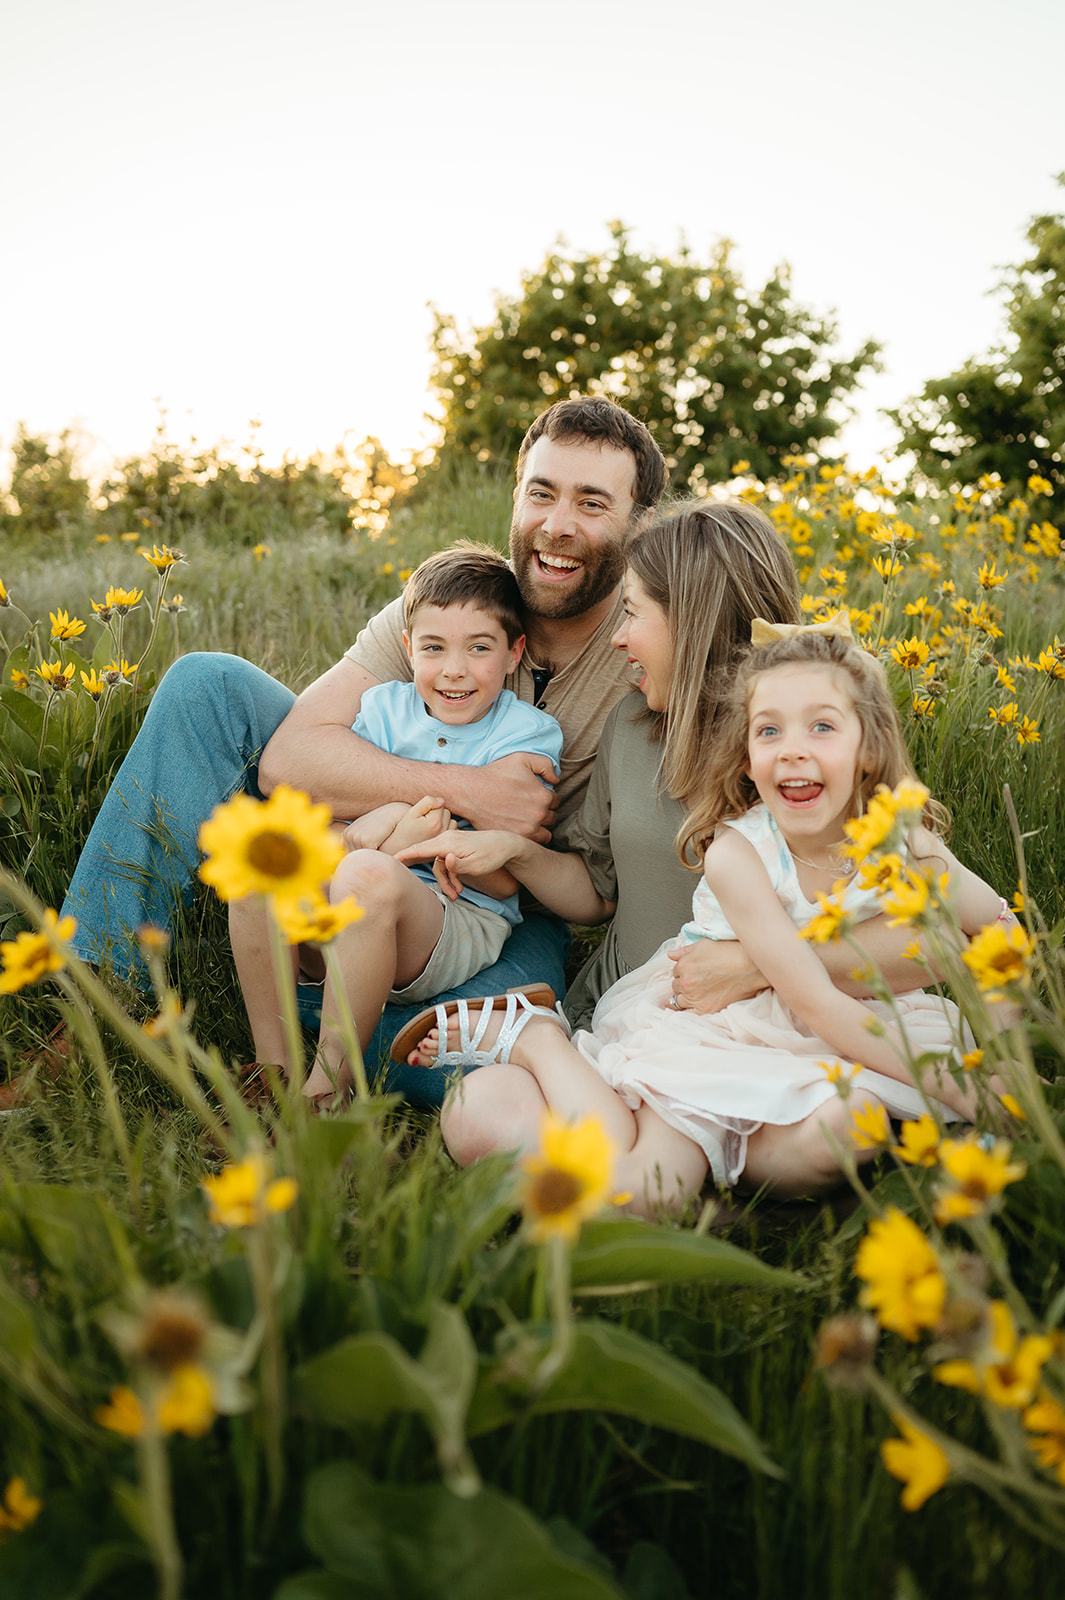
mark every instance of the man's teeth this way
{"type": "Point", "coordinates": [558, 563]}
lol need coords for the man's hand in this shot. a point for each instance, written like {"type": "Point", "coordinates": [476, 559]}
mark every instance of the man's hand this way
{"type": "Point", "coordinates": [711, 974]}
{"type": "Point", "coordinates": [514, 794]}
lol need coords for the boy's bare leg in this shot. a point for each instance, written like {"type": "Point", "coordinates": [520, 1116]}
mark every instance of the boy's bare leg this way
{"type": "Point", "coordinates": [249, 935]}
{"type": "Point", "coordinates": [386, 949]}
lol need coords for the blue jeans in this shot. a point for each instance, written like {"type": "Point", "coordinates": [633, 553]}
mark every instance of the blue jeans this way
{"type": "Point", "coordinates": [199, 744]}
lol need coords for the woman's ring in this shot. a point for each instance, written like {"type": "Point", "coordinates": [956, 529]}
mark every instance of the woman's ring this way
{"type": "Point", "coordinates": [674, 1002]}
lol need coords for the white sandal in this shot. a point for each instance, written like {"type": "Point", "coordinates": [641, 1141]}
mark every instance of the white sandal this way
{"type": "Point", "coordinates": [518, 1009]}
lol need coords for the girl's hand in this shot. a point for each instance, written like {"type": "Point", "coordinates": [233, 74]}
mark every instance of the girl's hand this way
{"type": "Point", "coordinates": [465, 850]}
{"type": "Point", "coordinates": [712, 974]}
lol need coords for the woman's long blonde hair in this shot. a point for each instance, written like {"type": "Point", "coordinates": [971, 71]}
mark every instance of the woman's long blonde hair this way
{"type": "Point", "coordinates": [712, 566]}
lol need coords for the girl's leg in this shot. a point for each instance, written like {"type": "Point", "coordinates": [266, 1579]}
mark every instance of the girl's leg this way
{"type": "Point", "coordinates": [249, 936]}
{"type": "Point", "coordinates": [387, 948]}
{"type": "Point", "coordinates": [663, 1168]}
{"type": "Point", "coordinates": [797, 1159]}
{"type": "Point", "coordinates": [495, 1110]}
{"type": "Point", "coordinates": [570, 1086]}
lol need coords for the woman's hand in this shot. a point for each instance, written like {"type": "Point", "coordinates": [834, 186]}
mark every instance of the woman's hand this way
{"type": "Point", "coordinates": [711, 974]}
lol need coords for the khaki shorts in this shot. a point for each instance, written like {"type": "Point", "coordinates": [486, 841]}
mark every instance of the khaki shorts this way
{"type": "Point", "coordinates": [469, 941]}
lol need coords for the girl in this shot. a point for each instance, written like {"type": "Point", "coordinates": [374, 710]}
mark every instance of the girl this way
{"type": "Point", "coordinates": [810, 733]}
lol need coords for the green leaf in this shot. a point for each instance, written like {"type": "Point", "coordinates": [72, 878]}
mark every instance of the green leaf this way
{"type": "Point", "coordinates": [369, 1376]}
{"type": "Point", "coordinates": [612, 1369]}
{"type": "Point", "coordinates": [78, 1234]}
{"type": "Point", "coordinates": [624, 1252]}
{"type": "Point", "coordinates": [425, 1544]}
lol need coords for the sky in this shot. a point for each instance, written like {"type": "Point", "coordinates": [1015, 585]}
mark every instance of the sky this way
{"type": "Point", "coordinates": [244, 209]}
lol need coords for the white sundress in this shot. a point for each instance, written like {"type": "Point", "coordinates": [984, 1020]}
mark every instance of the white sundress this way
{"type": "Point", "coordinates": [718, 1078]}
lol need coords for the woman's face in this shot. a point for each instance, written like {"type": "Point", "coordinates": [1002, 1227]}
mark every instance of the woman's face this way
{"type": "Point", "coordinates": [644, 636]}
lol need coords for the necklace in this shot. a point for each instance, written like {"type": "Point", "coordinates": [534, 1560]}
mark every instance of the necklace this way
{"type": "Point", "coordinates": [848, 869]}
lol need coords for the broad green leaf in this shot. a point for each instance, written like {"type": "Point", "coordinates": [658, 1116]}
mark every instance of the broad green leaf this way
{"type": "Point", "coordinates": [369, 1376]}
{"type": "Point", "coordinates": [426, 1544]}
{"type": "Point", "coordinates": [623, 1251]}
{"type": "Point", "coordinates": [612, 1369]}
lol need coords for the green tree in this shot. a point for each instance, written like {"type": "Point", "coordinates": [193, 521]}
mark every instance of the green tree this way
{"type": "Point", "coordinates": [717, 372]}
{"type": "Point", "coordinates": [49, 492]}
{"type": "Point", "coordinates": [1005, 413]}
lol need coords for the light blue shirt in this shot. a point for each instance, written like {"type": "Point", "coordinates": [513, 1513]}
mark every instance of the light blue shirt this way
{"type": "Point", "coordinates": [394, 717]}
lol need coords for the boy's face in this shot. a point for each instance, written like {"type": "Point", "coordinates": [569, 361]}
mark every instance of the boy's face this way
{"type": "Point", "coordinates": [461, 658]}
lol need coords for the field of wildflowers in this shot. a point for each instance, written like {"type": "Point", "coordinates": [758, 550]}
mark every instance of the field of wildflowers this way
{"type": "Point", "coordinates": [332, 1365]}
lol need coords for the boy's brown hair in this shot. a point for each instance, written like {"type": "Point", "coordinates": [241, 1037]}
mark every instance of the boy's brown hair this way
{"type": "Point", "coordinates": [467, 574]}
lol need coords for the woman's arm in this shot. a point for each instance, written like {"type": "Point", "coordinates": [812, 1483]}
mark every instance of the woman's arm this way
{"type": "Point", "coordinates": [558, 878]}
{"type": "Point", "coordinates": [737, 877]}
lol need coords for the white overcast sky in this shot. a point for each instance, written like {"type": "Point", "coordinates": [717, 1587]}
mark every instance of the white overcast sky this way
{"type": "Point", "coordinates": [243, 207]}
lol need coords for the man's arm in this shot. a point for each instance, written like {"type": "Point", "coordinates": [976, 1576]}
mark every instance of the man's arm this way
{"type": "Point", "coordinates": [315, 749]}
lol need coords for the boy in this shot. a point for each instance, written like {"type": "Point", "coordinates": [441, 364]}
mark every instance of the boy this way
{"type": "Point", "coordinates": [463, 634]}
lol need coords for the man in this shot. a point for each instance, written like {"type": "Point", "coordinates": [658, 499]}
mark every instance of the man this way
{"type": "Point", "coordinates": [588, 475]}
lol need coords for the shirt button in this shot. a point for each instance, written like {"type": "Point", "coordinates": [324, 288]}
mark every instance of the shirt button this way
{"type": "Point", "coordinates": [441, 741]}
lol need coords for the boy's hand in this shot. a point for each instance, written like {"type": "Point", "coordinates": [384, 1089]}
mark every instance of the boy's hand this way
{"type": "Point", "coordinates": [424, 820]}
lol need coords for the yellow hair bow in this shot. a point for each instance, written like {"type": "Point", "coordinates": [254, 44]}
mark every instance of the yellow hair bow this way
{"type": "Point", "coordinates": [763, 632]}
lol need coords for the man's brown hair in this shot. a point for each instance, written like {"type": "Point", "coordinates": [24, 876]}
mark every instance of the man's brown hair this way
{"type": "Point", "coordinates": [603, 421]}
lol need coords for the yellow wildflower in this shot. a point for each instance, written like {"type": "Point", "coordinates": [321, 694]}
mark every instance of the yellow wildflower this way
{"type": "Point", "coordinates": [972, 1059]}
{"type": "Point", "coordinates": [923, 707]}
{"type": "Point", "coordinates": [261, 550]}
{"type": "Point", "coordinates": [120, 600]}
{"type": "Point", "coordinates": [242, 1194]}
{"type": "Point", "coordinates": [1005, 681]}
{"type": "Point", "coordinates": [93, 685]}
{"type": "Point", "coordinates": [568, 1179]}
{"type": "Point", "coordinates": [64, 626]}
{"type": "Point", "coordinates": [870, 1127]}
{"type": "Point", "coordinates": [1013, 1106]}
{"type": "Point", "coordinates": [175, 604]}
{"type": "Point", "coordinates": [31, 956]}
{"type": "Point", "coordinates": [917, 1461]}
{"type": "Point", "coordinates": [1027, 731]}
{"type": "Point", "coordinates": [906, 900]}
{"type": "Point", "coordinates": [1039, 485]}
{"type": "Point", "coordinates": [831, 921]}
{"type": "Point", "coordinates": [919, 1142]}
{"type": "Point", "coordinates": [904, 1289]}
{"type": "Point", "coordinates": [317, 922]}
{"type": "Point", "coordinates": [186, 1402]}
{"type": "Point", "coordinates": [4, 599]}
{"type": "Point", "coordinates": [18, 1508]}
{"type": "Point", "coordinates": [1045, 1420]}
{"type": "Point", "coordinates": [1007, 1371]}
{"type": "Point", "coordinates": [19, 680]}
{"type": "Point", "coordinates": [910, 653]}
{"type": "Point", "coordinates": [283, 847]}
{"type": "Point", "coordinates": [1004, 715]}
{"type": "Point", "coordinates": [117, 672]}
{"type": "Point", "coordinates": [1049, 663]}
{"type": "Point", "coordinates": [974, 1178]}
{"type": "Point", "coordinates": [989, 577]}
{"type": "Point", "coordinates": [887, 566]}
{"type": "Point", "coordinates": [999, 956]}
{"type": "Point", "coordinates": [123, 1413]}
{"type": "Point", "coordinates": [162, 559]}
{"type": "Point", "coordinates": [57, 676]}
{"type": "Point", "coordinates": [836, 1072]}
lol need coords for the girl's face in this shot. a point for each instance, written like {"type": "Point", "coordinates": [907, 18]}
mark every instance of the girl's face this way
{"type": "Point", "coordinates": [803, 745]}
{"type": "Point", "coordinates": [644, 636]}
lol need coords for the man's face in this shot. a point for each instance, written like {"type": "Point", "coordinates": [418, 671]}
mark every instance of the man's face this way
{"type": "Point", "coordinates": [572, 510]}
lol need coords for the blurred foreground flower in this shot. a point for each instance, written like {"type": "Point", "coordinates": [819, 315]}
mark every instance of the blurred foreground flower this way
{"type": "Point", "coordinates": [974, 1178]}
{"type": "Point", "coordinates": [18, 1508]}
{"type": "Point", "coordinates": [242, 1195]}
{"type": "Point", "coordinates": [282, 847]}
{"type": "Point", "coordinates": [999, 956]}
{"type": "Point", "coordinates": [917, 1461]}
{"type": "Point", "coordinates": [317, 922]}
{"type": "Point", "coordinates": [1007, 1370]}
{"type": "Point", "coordinates": [904, 1287]}
{"type": "Point", "coordinates": [31, 956]}
{"type": "Point", "coordinates": [568, 1180]}
{"type": "Point", "coordinates": [919, 1142]}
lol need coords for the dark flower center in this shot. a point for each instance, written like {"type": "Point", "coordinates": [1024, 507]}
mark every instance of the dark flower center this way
{"type": "Point", "coordinates": [275, 855]}
{"type": "Point", "coordinates": [554, 1191]}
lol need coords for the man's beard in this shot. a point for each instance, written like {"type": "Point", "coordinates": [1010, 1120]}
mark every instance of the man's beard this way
{"type": "Point", "coordinates": [600, 575]}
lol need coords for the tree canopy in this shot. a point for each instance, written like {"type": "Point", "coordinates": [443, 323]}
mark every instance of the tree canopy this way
{"type": "Point", "coordinates": [1004, 413]}
{"type": "Point", "coordinates": [717, 372]}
